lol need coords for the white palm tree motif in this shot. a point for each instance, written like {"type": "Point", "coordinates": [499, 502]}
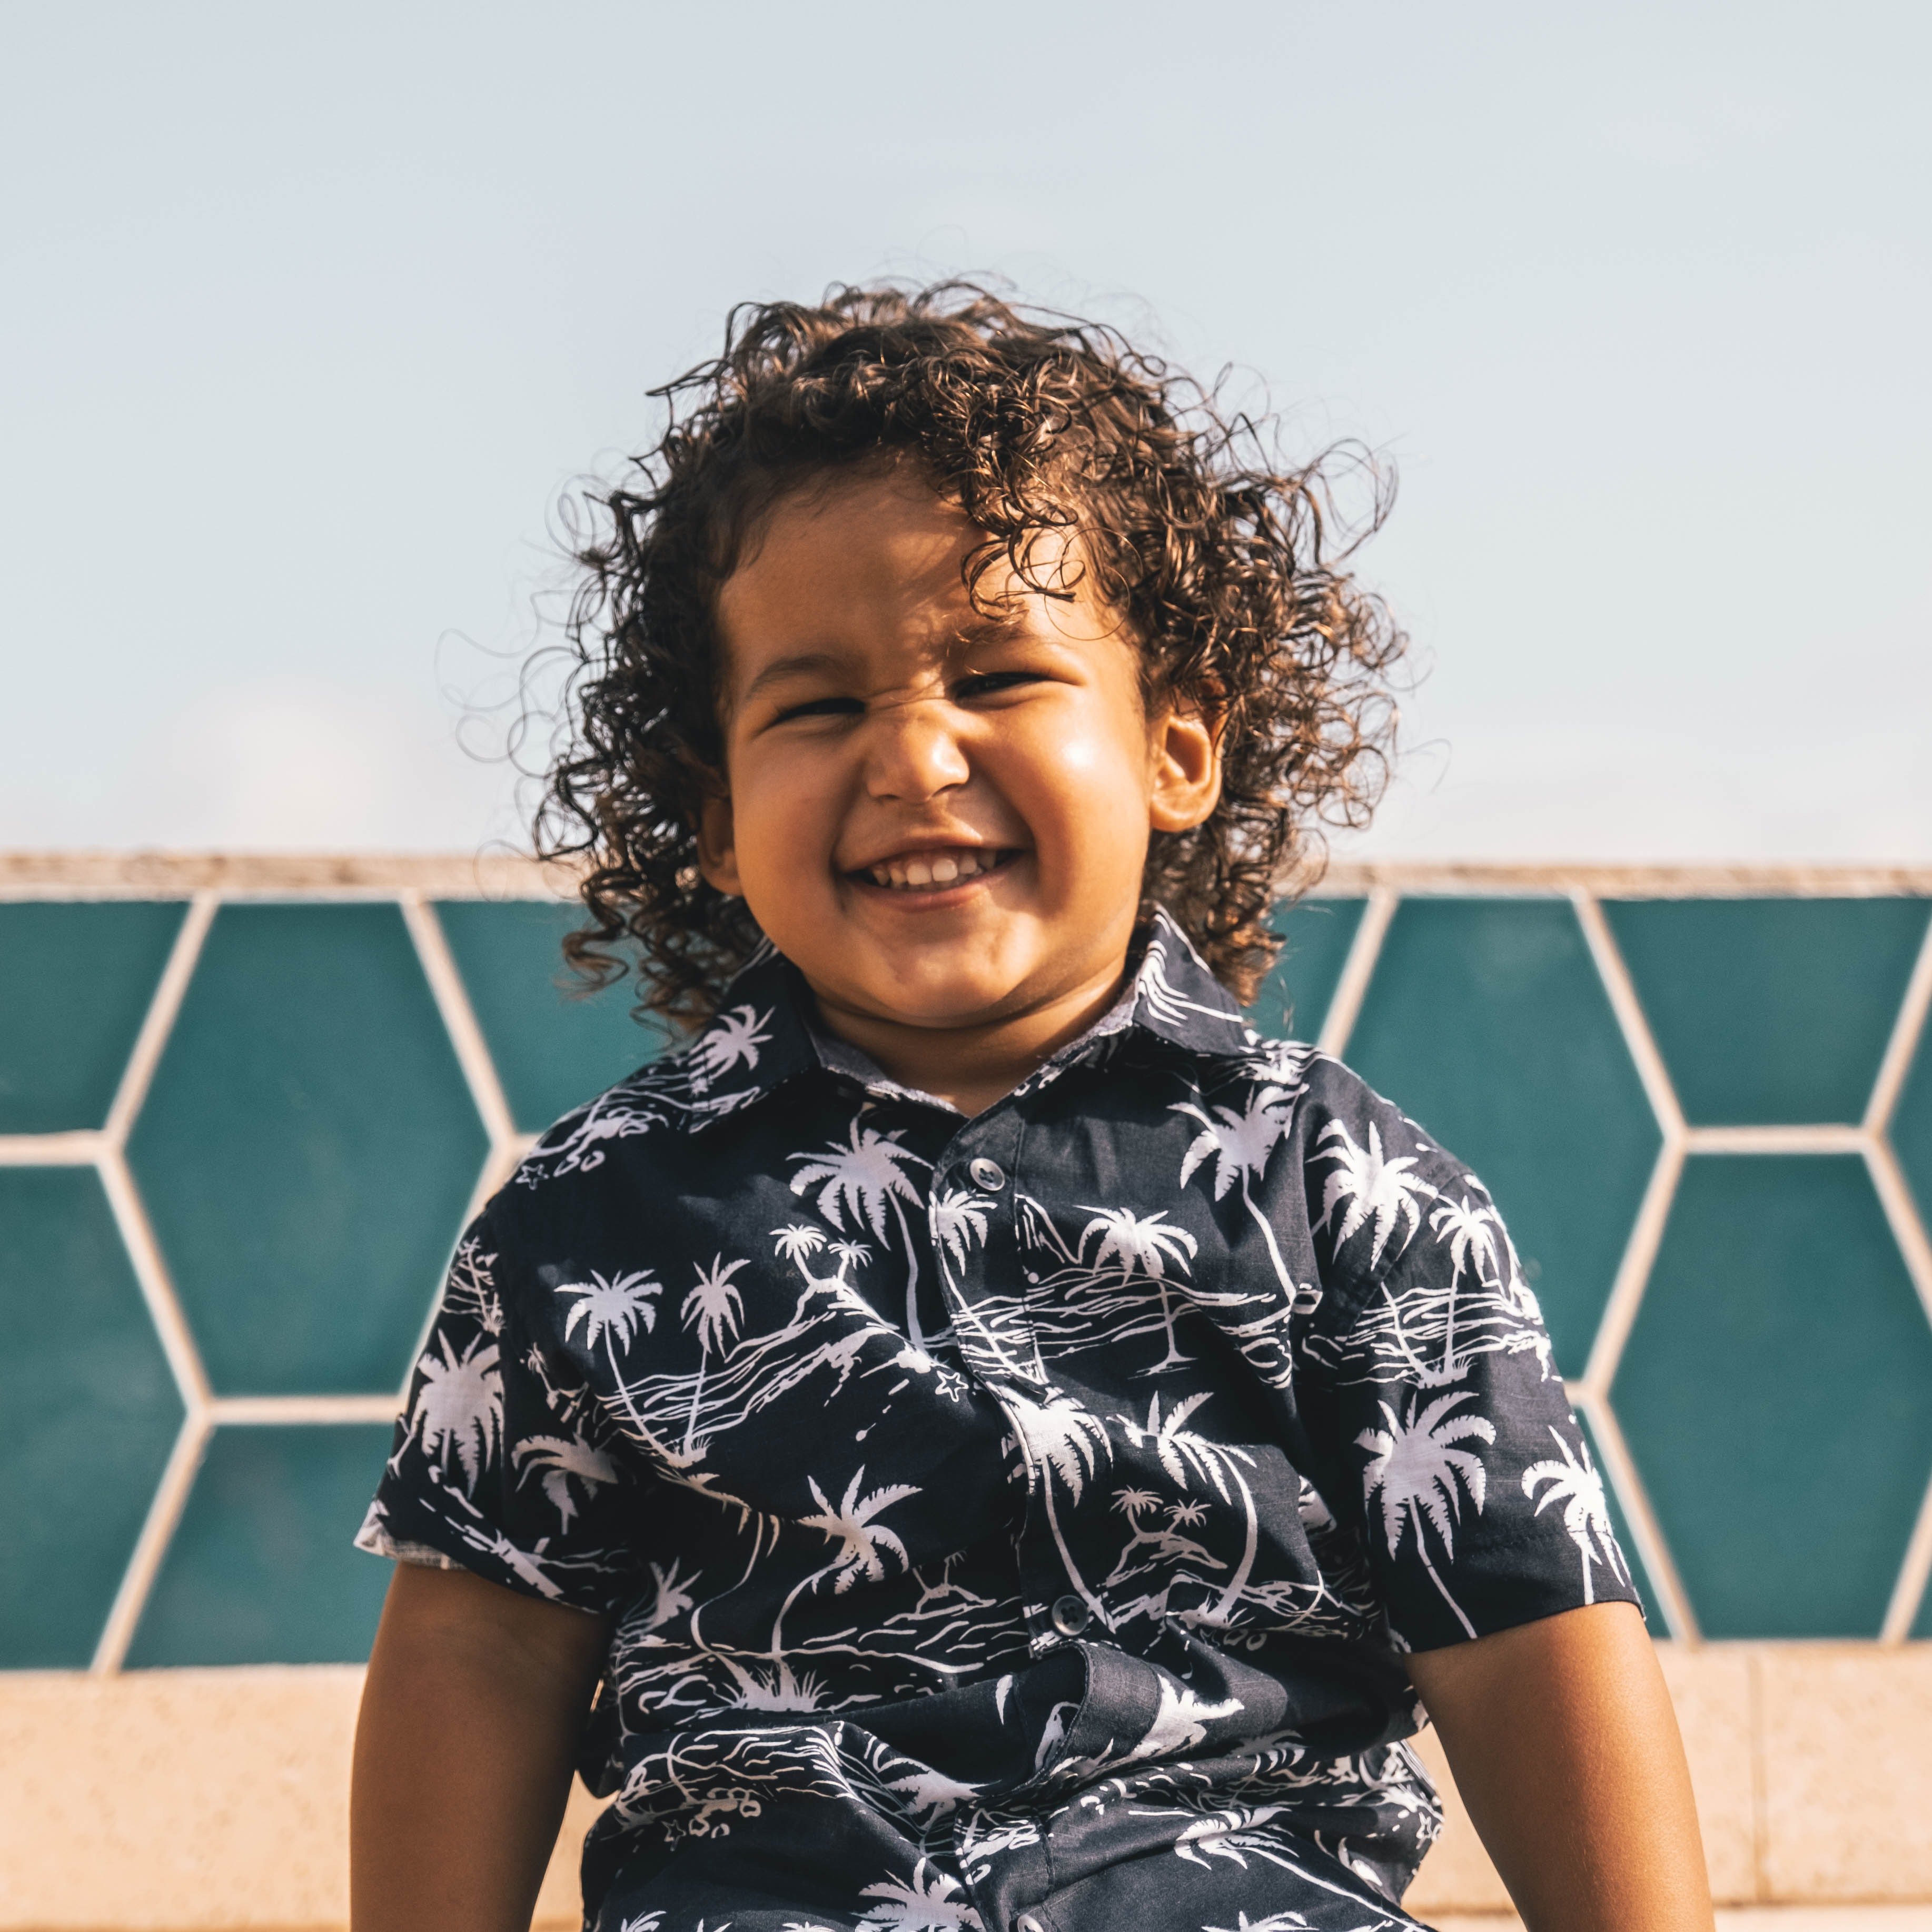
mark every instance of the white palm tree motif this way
{"type": "Point", "coordinates": [672, 1598]}
{"type": "Point", "coordinates": [1420, 1474]}
{"type": "Point", "coordinates": [797, 1241]}
{"type": "Point", "coordinates": [1144, 1246]}
{"type": "Point", "coordinates": [958, 1220]}
{"type": "Point", "coordinates": [865, 1179]}
{"type": "Point", "coordinates": [1241, 1145]}
{"type": "Point", "coordinates": [932, 1902]}
{"type": "Point", "coordinates": [1375, 1187]}
{"type": "Point", "coordinates": [714, 1306]}
{"type": "Point", "coordinates": [859, 1539]}
{"type": "Point", "coordinates": [1186, 1454]}
{"type": "Point", "coordinates": [850, 1255]}
{"type": "Point", "coordinates": [1471, 1232]}
{"type": "Point", "coordinates": [613, 1310]}
{"type": "Point", "coordinates": [1586, 1511]}
{"type": "Point", "coordinates": [561, 1458]}
{"type": "Point", "coordinates": [1062, 1439]}
{"type": "Point", "coordinates": [731, 1040]}
{"type": "Point", "coordinates": [459, 1407]}
{"type": "Point", "coordinates": [608, 1308]}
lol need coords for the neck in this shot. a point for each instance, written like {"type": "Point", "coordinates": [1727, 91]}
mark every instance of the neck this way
{"type": "Point", "coordinates": [973, 1066]}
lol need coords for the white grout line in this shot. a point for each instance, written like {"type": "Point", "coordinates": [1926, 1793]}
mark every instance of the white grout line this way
{"type": "Point", "coordinates": [1621, 990]}
{"type": "Point", "coordinates": [69, 1150]}
{"type": "Point", "coordinates": [1633, 1275]}
{"type": "Point", "coordinates": [1895, 1195]}
{"type": "Point", "coordinates": [162, 1010]}
{"type": "Point", "coordinates": [1652, 1550]}
{"type": "Point", "coordinates": [164, 1514]}
{"type": "Point", "coordinates": [1909, 1591]}
{"type": "Point", "coordinates": [1906, 1030]}
{"type": "Point", "coordinates": [280, 1411]}
{"type": "Point", "coordinates": [151, 1270]}
{"type": "Point", "coordinates": [1819, 1137]}
{"type": "Point", "coordinates": [459, 1018]}
{"type": "Point", "coordinates": [1344, 1004]}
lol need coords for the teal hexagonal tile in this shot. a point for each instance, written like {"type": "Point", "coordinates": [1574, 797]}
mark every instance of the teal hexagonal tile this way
{"type": "Point", "coordinates": [308, 1149]}
{"type": "Point", "coordinates": [554, 1046]}
{"type": "Point", "coordinates": [1911, 1129]}
{"type": "Point", "coordinates": [262, 1567]}
{"type": "Point", "coordinates": [91, 1413]}
{"type": "Point", "coordinates": [1486, 1021]}
{"type": "Point", "coordinates": [1653, 1611]}
{"type": "Point", "coordinates": [75, 981]}
{"type": "Point", "coordinates": [1293, 1000]}
{"type": "Point", "coordinates": [1770, 1011]}
{"type": "Point", "coordinates": [1776, 1392]}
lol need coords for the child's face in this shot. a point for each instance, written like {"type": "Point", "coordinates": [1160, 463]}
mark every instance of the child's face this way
{"type": "Point", "coordinates": [939, 817]}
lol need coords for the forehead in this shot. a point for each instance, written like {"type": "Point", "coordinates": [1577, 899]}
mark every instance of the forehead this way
{"type": "Point", "coordinates": [875, 561]}
{"type": "Point", "coordinates": [845, 547]}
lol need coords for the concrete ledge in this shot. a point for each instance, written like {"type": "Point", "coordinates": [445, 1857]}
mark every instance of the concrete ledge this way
{"type": "Point", "coordinates": [217, 1800]}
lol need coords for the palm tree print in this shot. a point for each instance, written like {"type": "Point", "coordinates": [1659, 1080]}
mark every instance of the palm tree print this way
{"type": "Point", "coordinates": [1241, 1145]}
{"type": "Point", "coordinates": [1586, 1511]}
{"type": "Point", "coordinates": [859, 1539]}
{"type": "Point", "coordinates": [459, 1407]}
{"type": "Point", "coordinates": [865, 1179]}
{"type": "Point", "coordinates": [1374, 1186]}
{"type": "Point", "coordinates": [732, 1040]}
{"type": "Point", "coordinates": [614, 1307]}
{"type": "Point", "coordinates": [714, 1307]}
{"type": "Point", "coordinates": [1471, 1231]}
{"type": "Point", "coordinates": [1419, 1475]}
{"type": "Point", "coordinates": [562, 1459]}
{"type": "Point", "coordinates": [1141, 1245]}
{"type": "Point", "coordinates": [1062, 1439]}
{"type": "Point", "coordinates": [1182, 1453]}
{"type": "Point", "coordinates": [931, 1902]}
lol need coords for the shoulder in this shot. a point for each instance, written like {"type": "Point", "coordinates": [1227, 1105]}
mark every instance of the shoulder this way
{"type": "Point", "coordinates": [664, 1101]}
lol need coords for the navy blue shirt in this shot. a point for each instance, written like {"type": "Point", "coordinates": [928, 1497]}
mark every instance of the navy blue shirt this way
{"type": "Point", "coordinates": [1011, 1520]}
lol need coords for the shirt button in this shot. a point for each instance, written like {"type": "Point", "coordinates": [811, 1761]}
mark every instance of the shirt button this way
{"type": "Point", "coordinates": [986, 1174]}
{"type": "Point", "coordinates": [1070, 1615]}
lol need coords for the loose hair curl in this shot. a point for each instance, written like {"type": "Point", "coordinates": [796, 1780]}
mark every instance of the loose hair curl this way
{"type": "Point", "coordinates": [1221, 562]}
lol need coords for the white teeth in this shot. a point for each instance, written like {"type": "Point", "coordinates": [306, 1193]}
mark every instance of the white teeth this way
{"type": "Point", "coordinates": [941, 868]}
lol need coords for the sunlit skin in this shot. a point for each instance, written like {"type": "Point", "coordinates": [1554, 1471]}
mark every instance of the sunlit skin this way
{"type": "Point", "coordinates": [874, 717]}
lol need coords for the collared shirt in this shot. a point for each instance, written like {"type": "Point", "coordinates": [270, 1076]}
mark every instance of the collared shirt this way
{"type": "Point", "coordinates": [988, 1508]}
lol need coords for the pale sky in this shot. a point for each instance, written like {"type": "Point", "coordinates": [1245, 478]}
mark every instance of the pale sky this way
{"type": "Point", "coordinates": [311, 314]}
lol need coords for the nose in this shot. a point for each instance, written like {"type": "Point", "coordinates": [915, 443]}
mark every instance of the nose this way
{"type": "Point", "coordinates": [912, 753]}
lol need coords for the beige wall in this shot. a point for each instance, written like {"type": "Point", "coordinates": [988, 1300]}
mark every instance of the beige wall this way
{"type": "Point", "coordinates": [198, 1801]}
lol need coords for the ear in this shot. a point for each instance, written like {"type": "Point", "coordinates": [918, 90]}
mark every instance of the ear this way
{"type": "Point", "coordinates": [718, 844]}
{"type": "Point", "coordinates": [1185, 746]}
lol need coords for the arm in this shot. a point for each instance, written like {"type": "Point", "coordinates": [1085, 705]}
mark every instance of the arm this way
{"type": "Point", "coordinates": [1565, 1750]}
{"type": "Point", "coordinates": [470, 1716]}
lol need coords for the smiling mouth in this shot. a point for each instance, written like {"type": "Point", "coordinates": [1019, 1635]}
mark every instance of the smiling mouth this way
{"type": "Point", "coordinates": [935, 870]}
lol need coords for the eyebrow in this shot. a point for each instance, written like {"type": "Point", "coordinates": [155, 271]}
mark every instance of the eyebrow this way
{"type": "Point", "coordinates": [798, 664]}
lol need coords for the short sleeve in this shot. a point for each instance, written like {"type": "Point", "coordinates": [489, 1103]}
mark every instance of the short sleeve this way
{"type": "Point", "coordinates": [500, 1465]}
{"type": "Point", "coordinates": [1480, 1506]}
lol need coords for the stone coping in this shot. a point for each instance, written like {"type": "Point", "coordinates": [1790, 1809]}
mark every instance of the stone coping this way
{"type": "Point", "coordinates": [507, 875]}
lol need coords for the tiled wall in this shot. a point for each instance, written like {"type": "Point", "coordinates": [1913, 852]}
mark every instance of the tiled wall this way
{"type": "Point", "coordinates": [239, 1128]}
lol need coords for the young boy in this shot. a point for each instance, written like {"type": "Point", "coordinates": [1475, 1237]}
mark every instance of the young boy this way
{"type": "Point", "coordinates": [1007, 1444]}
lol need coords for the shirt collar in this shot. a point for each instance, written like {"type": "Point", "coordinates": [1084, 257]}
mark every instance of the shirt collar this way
{"type": "Point", "coordinates": [765, 1031]}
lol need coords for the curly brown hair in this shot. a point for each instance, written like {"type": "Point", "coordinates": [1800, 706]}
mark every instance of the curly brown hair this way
{"type": "Point", "coordinates": [1221, 562]}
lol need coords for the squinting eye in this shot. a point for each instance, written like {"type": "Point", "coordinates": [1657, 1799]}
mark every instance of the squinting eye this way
{"type": "Point", "coordinates": [822, 707]}
{"type": "Point", "coordinates": [989, 683]}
